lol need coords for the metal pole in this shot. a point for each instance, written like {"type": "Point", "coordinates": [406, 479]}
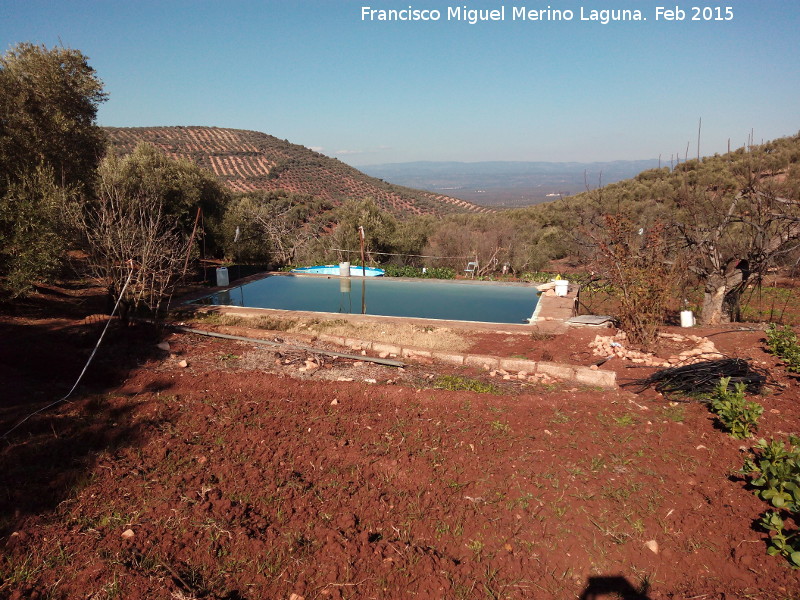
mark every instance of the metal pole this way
{"type": "Point", "coordinates": [363, 262]}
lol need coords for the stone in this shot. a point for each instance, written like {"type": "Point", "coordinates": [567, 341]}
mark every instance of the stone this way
{"type": "Point", "coordinates": [599, 378]}
{"type": "Point", "coordinates": [415, 353]}
{"type": "Point", "coordinates": [385, 348]}
{"type": "Point", "coordinates": [518, 364]}
{"type": "Point", "coordinates": [128, 534]}
{"type": "Point", "coordinates": [446, 357]}
{"type": "Point", "coordinates": [487, 363]}
{"type": "Point", "coordinates": [556, 370]}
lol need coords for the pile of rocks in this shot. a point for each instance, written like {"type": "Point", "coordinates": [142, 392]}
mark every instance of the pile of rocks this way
{"type": "Point", "coordinates": [523, 376]}
{"type": "Point", "coordinates": [614, 346]}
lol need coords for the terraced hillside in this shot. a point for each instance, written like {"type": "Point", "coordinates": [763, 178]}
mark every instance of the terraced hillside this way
{"type": "Point", "coordinates": [249, 160]}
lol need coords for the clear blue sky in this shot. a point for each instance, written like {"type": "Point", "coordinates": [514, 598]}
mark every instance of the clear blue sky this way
{"type": "Point", "coordinates": [315, 73]}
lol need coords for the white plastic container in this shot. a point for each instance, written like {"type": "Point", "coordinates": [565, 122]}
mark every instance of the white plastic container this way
{"type": "Point", "coordinates": [222, 277]}
{"type": "Point", "coordinates": [687, 318]}
{"type": "Point", "coordinates": [344, 269]}
{"type": "Point", "coordinates": [561, 287]}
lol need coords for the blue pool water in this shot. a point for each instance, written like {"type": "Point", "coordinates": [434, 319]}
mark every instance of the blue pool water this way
{"type": "Point", "coordinates": [459, 301]}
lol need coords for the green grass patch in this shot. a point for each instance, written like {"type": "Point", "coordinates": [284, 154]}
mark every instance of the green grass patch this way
{"type": "Point", "coordinates": [457, 383]}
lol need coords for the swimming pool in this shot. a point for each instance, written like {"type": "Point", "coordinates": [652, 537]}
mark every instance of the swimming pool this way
{"type": "Point", "coordinates": [353, 270]}
{"type": "Point", "coordinates": [381, 296]}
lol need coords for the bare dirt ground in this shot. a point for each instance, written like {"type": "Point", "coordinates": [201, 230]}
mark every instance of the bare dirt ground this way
{"type": "Point", "coordinates": [249, 473]}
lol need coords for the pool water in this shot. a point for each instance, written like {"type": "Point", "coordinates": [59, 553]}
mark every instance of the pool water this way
{"type": "Point", "coordinates": [458, 301]}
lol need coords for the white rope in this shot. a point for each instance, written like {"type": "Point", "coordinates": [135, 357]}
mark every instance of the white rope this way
{"type": "Point", "coordinates": [86, 366]}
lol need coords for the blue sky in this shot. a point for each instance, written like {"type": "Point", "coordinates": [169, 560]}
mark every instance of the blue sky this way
{"type": "Point", "coordinates": [366, 92]}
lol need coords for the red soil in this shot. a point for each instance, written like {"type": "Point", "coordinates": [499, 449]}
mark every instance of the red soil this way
{"type": "Point", "coordinates": [238, 477]}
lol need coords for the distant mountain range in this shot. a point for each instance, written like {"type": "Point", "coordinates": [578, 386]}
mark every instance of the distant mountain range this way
{"type": "Point", "coordinates": [505, 183]}
{"type": "Point", "coordinates": [248, 161]}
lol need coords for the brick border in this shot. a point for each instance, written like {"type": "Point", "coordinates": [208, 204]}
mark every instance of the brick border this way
{"type": "Point", "coordinates": [572, 373]}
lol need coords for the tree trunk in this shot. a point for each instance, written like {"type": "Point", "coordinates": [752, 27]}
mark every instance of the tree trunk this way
{"type": "Point", "coordinates": [718, 303]}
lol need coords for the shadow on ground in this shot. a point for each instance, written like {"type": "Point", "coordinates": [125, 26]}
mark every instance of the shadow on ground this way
{"type": "Point", "coordinates": [606, 587]}
{"type": "Point", "coordinates": [46, 459]}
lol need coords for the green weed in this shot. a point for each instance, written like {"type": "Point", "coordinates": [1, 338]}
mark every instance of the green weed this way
{"type": "Point", "coordinates": [501, 427]}
{"type": "Point", "coordinates": [624, 421]}
{"type": "Point", "coordinates": [774, 470]}
{"type": "Point", "coordinates": [456, 383]}
{"type": "Point", "coordinates": [476, 546]}
{"type": "Point", "coordinates": [737, 415]}
{"type": "Point", "coordinates": [783, 344]}
{"type": "Point", "coordinates": [675, 413]}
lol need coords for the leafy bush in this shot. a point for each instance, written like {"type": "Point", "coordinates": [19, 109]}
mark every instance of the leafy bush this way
{"type": "Point", "coordinates": [783, 344]}
{"type": "Point", "coordinates": [636, 262]}
{"type": "Point", "coordinates": [440, 273]}
{"type": "Point", "coordinates": [536, 276]}
{"type": "Point", "coordinates": [782, 541]}
{"type": "Point", "coordinates": [738, 415]}
{"type": "Point", "coordinates": [774, 471]}
{"type": "Point", "coordinates": [402, 271]}
{"type": "Point", "coordinates": [409, 271]}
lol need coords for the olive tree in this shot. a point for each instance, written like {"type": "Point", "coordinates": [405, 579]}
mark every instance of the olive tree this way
{"type": "Point", "coordinates": [735, 221]}
{"type": "Point", "coordinates": [49, 149]}
{"type": "Point", "coordinates": [272, 226]}
{"type": "Point", "coordinates": [138, 227]}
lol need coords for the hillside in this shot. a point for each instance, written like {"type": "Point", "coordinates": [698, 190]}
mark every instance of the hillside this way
{"type": "Point", "coordinates": [508, 183]}
{"type": "Point", "coordinates": [249, 161]}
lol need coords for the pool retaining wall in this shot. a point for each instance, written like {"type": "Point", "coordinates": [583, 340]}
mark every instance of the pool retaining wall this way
{"type": "Point", "coordinates": [571, 373]}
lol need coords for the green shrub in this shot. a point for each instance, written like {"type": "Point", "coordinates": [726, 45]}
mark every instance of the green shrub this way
{"type": "Point", "coordinates": [440, 273]}
{"type": "Point", "coordinates": [783, 344]}
{"type": "Point", "coordinates": [738, 415]}
{"type": "Point", "coordinates": [402, 271]}
{"type": "Point", "coordinates": [774, 470]}
{"type": "Point", "coordinates": [409, 271]}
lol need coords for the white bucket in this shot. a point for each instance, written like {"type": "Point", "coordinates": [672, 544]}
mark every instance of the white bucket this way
{"type": "Point", "coordinates": [561, 287]}
{"type": "Point", "coordinates": [344, 269]}
{"type": "Point", "coordinates": [687, 318]}
{"type": "Point", "coordinates": [222, 277]}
